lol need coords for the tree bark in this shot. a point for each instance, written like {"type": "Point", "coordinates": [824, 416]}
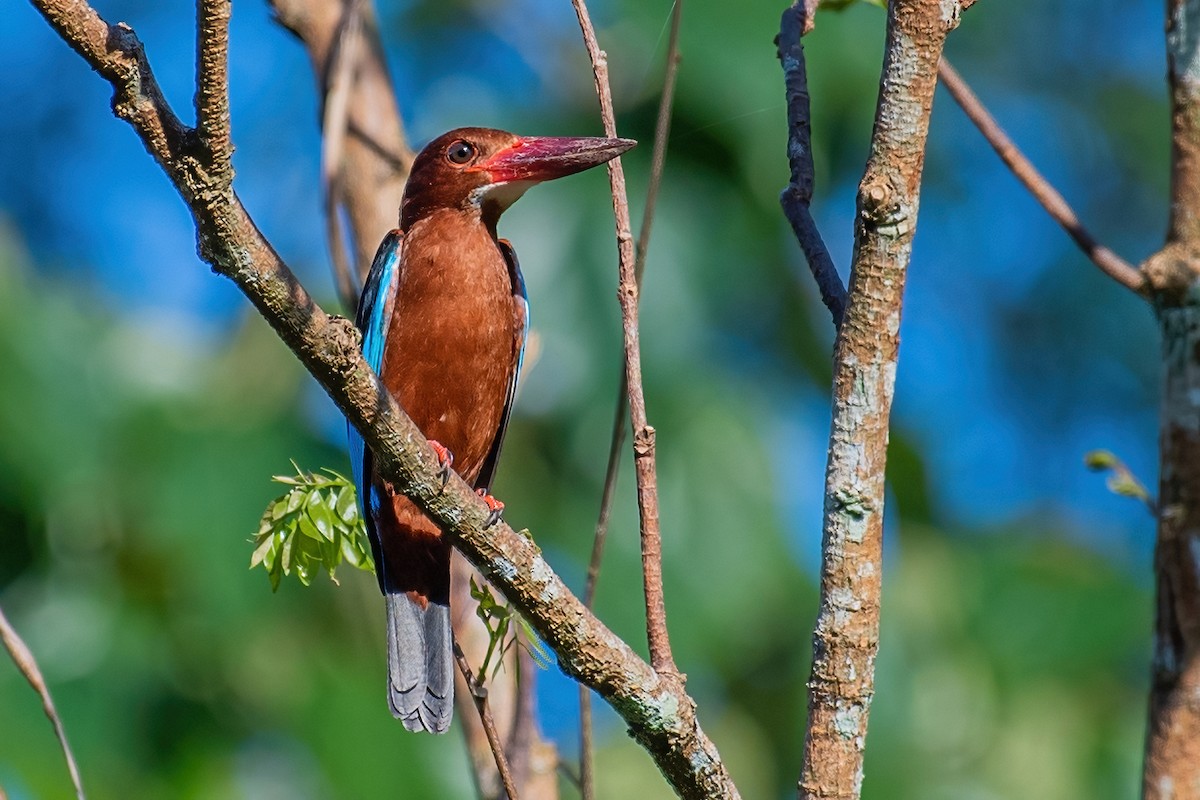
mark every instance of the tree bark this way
{"type": "Point", "coordinates": [846, 637]}
{"type": "Point", "coordinates": [1172, 768]}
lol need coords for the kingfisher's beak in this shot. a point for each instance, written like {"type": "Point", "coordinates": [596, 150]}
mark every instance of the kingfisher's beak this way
{"type": "Point", "coordinates": [543, 158]}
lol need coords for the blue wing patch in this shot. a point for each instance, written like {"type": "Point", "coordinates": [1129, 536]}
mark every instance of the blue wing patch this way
{"type": "Point", "coordinates": [373, 321]}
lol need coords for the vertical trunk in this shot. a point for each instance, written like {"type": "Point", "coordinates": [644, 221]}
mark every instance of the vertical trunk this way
{"type": "Point", "coordinates": [1173, 741]}
{"type": "Point", "coordinates": [1172, 768]}
{"type": "Point", "coordinates": [846, 637]}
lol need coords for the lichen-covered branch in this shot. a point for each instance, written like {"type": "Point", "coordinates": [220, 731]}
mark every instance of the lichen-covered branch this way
{"type": "Point", "coordinates": [660, 715]}
{"type": "Point", "coordinates": [846, 637]}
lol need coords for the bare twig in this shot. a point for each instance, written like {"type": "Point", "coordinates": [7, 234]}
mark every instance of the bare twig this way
{"type": "Point", "coordinates": [662, 133]}
{"type": "Point", "coordinates": [1056, 206]}
{"type": "Point", "coordinates": [796, 199]}
{"type": "Point", "coordinates": [658, 160]}
{"type": "Point", "coordinates": [27, 664]}
{"type": "Point", "coordinates": [212, 86]}
{"type": "Point", "coordinates": [657, 709]}
{"type": "Point", "coordinates": [479, 696]}
{"type": "Point", "coordinates": [846, 635]}
{"type": "Point", "coordinates": [334, 119]}
{"type": "Point", "coordinates": [587, 779]}
{"type": "Point", "coordinates": [643, 433]}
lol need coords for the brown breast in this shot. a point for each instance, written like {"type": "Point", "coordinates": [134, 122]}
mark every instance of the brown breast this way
{"type": "Point", "coordinates": [449, 353]}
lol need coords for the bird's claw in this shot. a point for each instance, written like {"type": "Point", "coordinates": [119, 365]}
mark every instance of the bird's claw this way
{"type": "Point", "coordinates": [445, 460]}
{"type": "Point", "coordinates": [495, 507]}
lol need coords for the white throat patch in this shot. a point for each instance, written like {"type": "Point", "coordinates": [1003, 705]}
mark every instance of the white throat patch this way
{"type": "Point", "coordinates": [502, 194]}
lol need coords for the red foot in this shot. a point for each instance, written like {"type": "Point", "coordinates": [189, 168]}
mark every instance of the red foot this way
{"type": "Point", "coordinates": [494, 505]}
{"type": "Point", "coordinates": [445, 459]}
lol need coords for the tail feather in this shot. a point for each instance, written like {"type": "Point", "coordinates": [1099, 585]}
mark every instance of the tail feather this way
{"type": "Point", "coordinates": [420, 666]}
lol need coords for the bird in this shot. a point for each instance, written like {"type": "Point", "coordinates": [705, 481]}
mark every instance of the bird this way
{"type": "Point", "coordinates": [444, 317]}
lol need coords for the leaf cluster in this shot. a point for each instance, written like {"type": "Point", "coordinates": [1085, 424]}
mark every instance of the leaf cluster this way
{"type": "Point", "coordinates": [315, 523]}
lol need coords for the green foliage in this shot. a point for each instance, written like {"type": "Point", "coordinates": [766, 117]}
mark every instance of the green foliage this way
{"type": "Point", "coordinates": [498, 619]}
{"type": "Point", "coordinates": [314, 524]}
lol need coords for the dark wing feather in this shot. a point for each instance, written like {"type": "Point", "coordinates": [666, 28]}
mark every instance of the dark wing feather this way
{"type": "Point", "coordinates": [521, 312]}
{"type": "Point", "coordinates": [373, 321]}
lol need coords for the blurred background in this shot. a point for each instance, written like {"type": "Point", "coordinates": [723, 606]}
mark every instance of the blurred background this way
{"type": "Point", "coordinates": [144, 406]}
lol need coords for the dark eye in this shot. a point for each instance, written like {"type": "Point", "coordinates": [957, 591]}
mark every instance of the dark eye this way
{"type": "Point", "coordinates": [460, 152]}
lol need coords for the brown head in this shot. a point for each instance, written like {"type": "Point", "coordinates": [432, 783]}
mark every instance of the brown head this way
{"type": "Point", "coordinates": [483, 170]}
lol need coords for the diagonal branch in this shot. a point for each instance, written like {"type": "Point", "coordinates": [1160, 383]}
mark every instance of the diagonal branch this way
{"type": "Point", "coordinates": [796, 199]}
{"type": "Point", "coordinates": [659, 712]}
{"type": "Point", "coordinates": [1109, 262]}
{"type": "Point", "coordinates": [27, 664]}
{"type": "Point", "coordinates": [643, 433]}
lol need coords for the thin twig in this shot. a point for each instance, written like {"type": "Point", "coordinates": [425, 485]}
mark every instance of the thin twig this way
{"type": "Point", "coordinates": [479, 695]}
{"type": "Point", "coordinates": [1109, 262]}
{"type": "Point", "coordinates": [587, 778]}
{"type": "Point", "coordinates": [658, 160]}
{"type": "Point", "coordinates": [212, 86]}
{"type": "Point", "coordinates": [643, 435]}
{"type": "Point", "coordinates": [27, 664]}
{"type": "Point", "coordinates": [796, 199]}
{"type": "Point", "coordinates": [334, 119]}
{"type": "Point", "coordinates": [662, 133]}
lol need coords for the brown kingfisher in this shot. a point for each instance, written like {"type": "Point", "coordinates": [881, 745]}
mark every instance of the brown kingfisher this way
{"type": "Point", "coordinates": [444, 317]}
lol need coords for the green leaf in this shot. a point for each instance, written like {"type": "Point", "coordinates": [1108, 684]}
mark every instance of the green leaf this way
{"type": "Point", "coordinates": [315, 524]}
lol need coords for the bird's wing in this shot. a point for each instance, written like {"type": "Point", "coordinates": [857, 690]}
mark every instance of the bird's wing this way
{"type": "Point", "coordinates": [521, 313]}
{"type": "Point", "coordinates": [373, 320]}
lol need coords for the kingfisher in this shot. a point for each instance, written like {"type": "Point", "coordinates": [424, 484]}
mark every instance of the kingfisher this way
{"type": "Point", "coordinates": [444, 317]}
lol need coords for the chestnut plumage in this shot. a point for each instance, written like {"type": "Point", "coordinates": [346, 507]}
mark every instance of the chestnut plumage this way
{"type": "Point", "coordinates": [444, 317]}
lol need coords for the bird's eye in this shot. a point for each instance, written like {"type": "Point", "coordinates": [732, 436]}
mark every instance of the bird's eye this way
{"type": "Point", "coordinates": [460, 152]}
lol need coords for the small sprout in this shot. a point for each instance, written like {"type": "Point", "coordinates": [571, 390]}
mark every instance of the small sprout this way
{"type": "Point", "coordinates": [316, 523]}
{"type": "Point", "coordinates": [1121, 480]}
{"type": "Point", "coordinates": [498, 620]}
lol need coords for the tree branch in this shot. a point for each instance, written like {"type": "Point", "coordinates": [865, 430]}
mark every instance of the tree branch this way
{"type": "Point", "coordinates": [1172, 767]}
{"type": "Point", "coordinates": [796, 199]}
{"type": "Point", "coordinates": [479, 697]}
{"type": "Point", "coordinates": [1109, 262]}
{"type": "Point", "coordinates": [27, 664]}
{"type": "Point", "coordinates": [846, 635]}
{"type": "Point", "coordinates": [212, 87]}
{"type": "Point", "coordinates": [660, 714]}
{"type": "Point", "coordinates": [658, 160]}
{"type": "Point", "coordinates": [643, 433]}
